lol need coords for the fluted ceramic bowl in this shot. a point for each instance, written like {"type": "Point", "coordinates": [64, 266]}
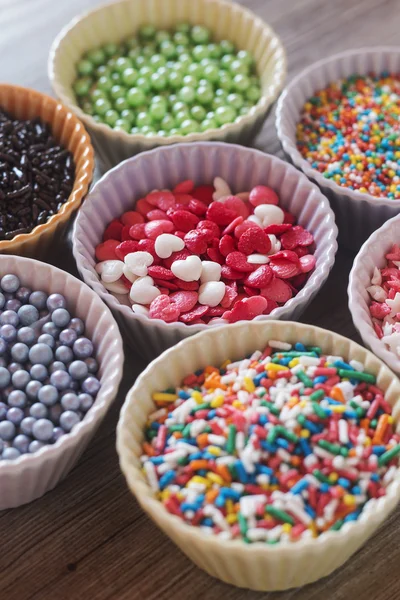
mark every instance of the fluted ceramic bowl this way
{"type": "Point", "coordinates": [32, 475]}
{"type": "Point", "coordinates": [357, 214]}
{"type": "Point", "coordinates": [242, 168]}
{"type": "Point", "coordinates": [117, 20]}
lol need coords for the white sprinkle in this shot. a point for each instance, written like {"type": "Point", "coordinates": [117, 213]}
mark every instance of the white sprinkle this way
{"type": "Point", "coordinates": [279, 345]}
{"type": "Point", "coordinates": [248, 504]}
{"type": "Point", "coordinates": [257, 534]}
{"type": "Point", "coordinates": [343, 431]}
{"type": "Point", "coordinates": [151, 475]}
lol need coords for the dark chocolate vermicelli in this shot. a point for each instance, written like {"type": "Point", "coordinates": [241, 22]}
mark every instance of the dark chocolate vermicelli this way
{"type": "Point", "coordinates": [36, 175]}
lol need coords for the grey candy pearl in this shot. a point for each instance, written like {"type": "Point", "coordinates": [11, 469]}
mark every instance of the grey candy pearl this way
{"type": "Point", "coordinates": [57, 433]}
{"type": "Point", "coordinates": [8, 333]}
{"type": "Point", "coordinates": [57, 365]}
{"type": "Point", "coordinates": [38, 300]}
{"type": "Point", "coordinates": [15, 366]}
{"type": "Point", "coordinates": [26, 335]}
{"type": "Point", "coordinates": [3, 410]}
{"type": "Point", "coordinates": [83, 348]}
{"type": "Point", "coordinates": [60, 379]}
{"type": "Point", "coordinates": [15, 415]}
{"type": "Point", "coordinates": [39, 372]}
{"type": "Point", "coordinates": [78, 369]}
{"type": "Point", "coordinates": [23, 294]}
{"type": "Point", "coordinates": [85, 402]}
{"type": "Point", "coordinates": [60, 317]}
{"type": "Point", "coordinates": [7, 430]}
{"type": "Point", "coordinates": [5, 377]}
{"type": "Point", "coordinates": [9, 283]}
{"type": "Point", "coordinates": [32, 389]}
{"type": "Point", "coordinates": [91, 385]}
{"type": "Point", "coordinates": [51, 329]}
{"type": "Point", "coordinates": [21, 442]}
{"type": "Point", "coordinates": [35, 446]}
{"type": "Point", "coordinates": [27, 424]}
{"type": "Point", "coordinates": [41, 354]}
{"type": "Point", "coordinates": [20, 351]}
{"type": "Point", "coordinates": [10, 454]}
{"type": "Point", "coordinates": [20, 379]}
{"type": "Point", "coordinates": [48, 395]}
{"type": "Point", "coordinates": [42, 430]}
{"type": "Point", "coordinates": [13, 304]}
{"type": "Point", "coordinates": [70, 401]}
{"type": "Point", "coordinates": [55, 301]}
{"type": "Point", "coordinates": [68, 337]}
{"type": "Point", "coordinates": [28, 314]}
{"type": "Point", "coordinates": [3, 346]}
{"type": "Point", "coordinates": [68, 420]}
{"type": "Point", "coordinates": [17, 399]}
{"type": "Point", "coordinates": [38, 410]}
{"type": "Point", "coordinates": [9, 317]}
{"type": "Point", "coordinates": [64, 354]}
{"type": "Point", "coordinates": [47, 339]}
{"type": "Point", "coordinates": [77, 325]}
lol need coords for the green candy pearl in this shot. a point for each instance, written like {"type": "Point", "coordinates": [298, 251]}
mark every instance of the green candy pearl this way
{"type": "Point", "coordinates": [101, 106]}
{"type": "Point", "coordinates": [135, 97]}
{"type": "Point", "coordinates": [157, 110]}
{"type": "Point", "coordinates": [182, 115]}
{"type": "Point", "coordinates": [111, 117]}
{"type": "Point", "coordinates": [199, 52]}
{"type": "Point", "coordinates": [157, 60]}
{"type": "Point", "coordinates": [87, 107]}
{"type": "Point", "coordinates": [147, 129]}
{"type": "Point", "coordinates": [185, 60]}
{"type": "Point", "coordinates": [128, 115]}
{"type": "Point", "coordinates": [188, 126]}
{"type": "Point", "coordinates": [104, 83]}
{"type": "Point", "coordinates": [227, 47]}
{"type": "Point", "coordinates": [214, 50]}
{"type": "Point", "coordinates": [174, 131]}
{"type": "Point", "coordinates": [225, 81]}
{"type": "Point", "coordinates": [85, 67]}
{"type": "Point", "coordinates": [245, 57]}
{"type": "Point", "coordinates": [253, 93]}
{"type": "Point", "coordinates": [141, 61]}
{"type": "Point", "coordinates": [147, 32]}
{"type": "Point", "coordinates": [102, 70]}
{"type": "Point", "coordinates": [168, 122]}
{"type": "Point", "coordinates": [97, 93]}
{"type": "Point", "coordinates": [122, 125]}
{"type": "Point", "coordinates": [225, 114]}
{"type": "Point", "coordinates": [208, 124]}
{"type": "Point", "coordinates": [204, 95]}
{"type": "Point", "coordinates": [149, 50]}
{"type": "Point", "coordinates": [143, 118]}
{"type": "Point", "coordinates": [121, 104]}
{"type": "Point", "coordinates": [178, 106]}
{"type": "Point", "coordinates": [132, 42]}
{"type": "Point", "coordinates": [110, 49]}
{"type": "Point", "coordinates": [115, 78]}
{"type": "Point", "coordinates": [200, 34]}
{"type": "Point", "coordinates": [180, 38]}
{"type": "Point", "coordinates": [198, 113]}
{"type": "Point", "coordinates": [235, 100]}
{"type": "Point", "coordinates": [211, 73]}
{"type": "Point", "coordinates": [158, 81]}
{"type": "Point", "coordinates": [82, 86]}
{"type": "Point", "coordinates": [190, 81]}
{"type": "Point", "coordinates": [134, 130]}
{"type": "Point", "coordinates": [117, 91]}
{"type": "Point", "coordinates": [175, 80]}
{"type": "Point", "coordinates": [196, 70]}
{"type": "Point", "coordinates": [161, 133]}
{"type": "Point", "coordinates": [183, 28]}
{"type": "Point", "coordinates": [187, 94]}
{"type": "Point", "coordinates": [129, 76]}
{"type": "Point", "coordinates": [97, 57]}
{"type": "Point", "coordinates": [162, 36]}
{"type": "Point", "coordinates": [226, 61]}
{"type": "Point", "coordinates": [121, 64]}
{"type": "Point", "coordinates": [143, 84]}
{"type": "Point", "coordinates": [239, 67]}
{"type": "Point", "coordinates": [241, 82]}
{"type": "Point", "coordinates": [168, 49]}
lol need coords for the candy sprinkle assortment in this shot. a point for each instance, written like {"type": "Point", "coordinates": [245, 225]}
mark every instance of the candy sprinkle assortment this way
{"type": "Point", "coordinates": [280, 446]}
{"type": "Point", "coordinates": [200, 254]}
{"type": "Point", "coordinates": [350, 132]}
{"type": "Point", "coordinates": [384, 292]}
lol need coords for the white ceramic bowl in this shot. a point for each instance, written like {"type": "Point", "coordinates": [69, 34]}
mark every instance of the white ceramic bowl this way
{"type": "Point", "coordinates": [32, 475]}
{"type": "Point", "coordinates": [357, 214]}
{"type": "Point", "coordinates": [371, 255]}
{"type": "Point", "coordinates": [256, 566]}
{"type": "Point", "coordinates": [242, 168]}
{"type": "Point", "coordinates": [118, 20]}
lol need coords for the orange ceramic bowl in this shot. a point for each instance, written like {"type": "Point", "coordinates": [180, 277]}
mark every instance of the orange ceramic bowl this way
{"type": "Point", "coordinates": [24, 103]}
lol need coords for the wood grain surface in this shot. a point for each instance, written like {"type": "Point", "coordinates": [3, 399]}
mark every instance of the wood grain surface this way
{"type": "Point", "coordinates": [88, 539]}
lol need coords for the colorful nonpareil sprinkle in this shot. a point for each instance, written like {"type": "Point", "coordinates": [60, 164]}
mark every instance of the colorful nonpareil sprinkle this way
{"type": "Point", "coordinates": [200, 254]}
{"type": "Point", "coordinates": [350, 132]}
{"type": "Point", "coordinates": [385, 295]}
{"type": "Point", "coordinates": [280, 446]}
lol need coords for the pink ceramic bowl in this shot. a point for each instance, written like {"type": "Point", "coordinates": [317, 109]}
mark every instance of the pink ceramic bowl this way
{"type": "Point", "coordinates": [242, 168]}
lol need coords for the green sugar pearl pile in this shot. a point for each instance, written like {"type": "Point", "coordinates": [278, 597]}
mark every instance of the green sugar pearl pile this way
{"type": "Point", "coordinates": [167, 82]}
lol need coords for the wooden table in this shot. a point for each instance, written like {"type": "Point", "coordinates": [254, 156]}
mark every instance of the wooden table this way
{"type": "Point", "coordinates": [88, 539]}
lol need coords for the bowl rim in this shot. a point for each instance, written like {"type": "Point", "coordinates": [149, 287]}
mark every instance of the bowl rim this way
{"type": "Point", "coordinates": [289, 146]}
{"type": "Point", "coordinates": [83, 175]}
{"type": "Point", "coordinates": [95, 413]}
{"type": "Point", "coordinates": [87, 271]}
{"type": "Point", "coordinates": [258, 110]}
{"type": "Point", "coordinates": [357, 304]}
{"type": "Point", "coordinates": [142, 491]}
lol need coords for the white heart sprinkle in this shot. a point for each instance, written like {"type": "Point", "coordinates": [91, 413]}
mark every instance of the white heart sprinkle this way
{"type": "Point", "coordinates": [139, 309]}
{"type": "Point", "coordinates": [143, 291]}
{"type": "Point", "coordinates": [137, 262]}
{"type": "Point", "coordinates": [116, 287]}
{"type": "Point", "coordinates": [377, 293]}
{"type": "Point", "coordinates": [211, 293]}
{"type": "Point", "coordinates": [255, 219]}
{"type": "Point", "coordinates": [269, 214]}
{"type": "Point", "coordinates": [211, 271]}
{"type": "Point", "coordinates": [188, 269]}
{"type": "Point", "coordinates": [275, 244]}
{"type": "Point", "coordinates": [221, 188]}
{"type": "Point", "coordinates": [129, 275]}
{"type": "Point", "coordinates": [166, 244]}
{"type": "Point", "coordinates": [257, 259]}
{"type": "Point", "coordinates": [111, 270]}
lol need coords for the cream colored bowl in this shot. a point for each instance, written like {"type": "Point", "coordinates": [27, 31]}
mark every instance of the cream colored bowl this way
{"type": "Point", "coordinates": [256, 566]}
{"type": "Point", "coordinates": [117, 20]}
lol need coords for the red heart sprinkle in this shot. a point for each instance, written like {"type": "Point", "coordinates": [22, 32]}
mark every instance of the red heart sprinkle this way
{"type": "Point", "coordinates": [155, 228]}
{"type": "Point", "coordinates": [261, 194]}
{"type": "Point", "coordinates": [238, 261]}
{"type": "Point", "coordinates": [215, 255]}
{"type": "Point", "coordinates": [204, 193]}
{"type": "Point", "coordinates": [289, 218]}
{"type": "Point", "coordinates": [259, 278]}
{"type": "Point", "coordinates": [180, 255]}
{"type": "Point", "coordinates": [242, 227]}
{"type": "Point", "coordinates": [113, 231]}
{"type": "Point", "coordinates": [226, 245]}
{"type": "Point", "coordinates": [183, 199]}
{"type": "Point", "coordinates": [246, 309]}
{"type": "Point", "coordinates": [286, 254]}
{"type": "Point", "coordinates": [198, 312]}
{"type": "Point", "coordinates": [190, 286]}
{"type": "Point", "coordinates": [159, 272]}
{"type": "Point", "coordinates": [250, 291]}
{"type": "Point", "coordinates": [184, 220]}
{"type": "Point", "coordinates": [132, 217]}
{"type": "Point", "coordinates": [106, 250]}
{"type": "Point", "coordinates": [277, 229]}
{"type": "Point", "coordinates": [185, 301]}
{"type": "Point", "coordinates": [146, 245]}
{"type": "Point", "coordinates": [162, 199]}
{"type": "Point", "coordinates": [296, 237]}
{"type": "Point", "coordinates": [277, 290]}
{"type": "Point", "coordinates": [196, 241]}
{"type": "Point", "coordinates": [138, 232]}
{"type": "Point", "coordinates": [221, 215]}
{"type": "Point", "coordinates": [143, 207]}
{"type": "Point", "coordinates": [284, 268]}
{"type": "Point", "coordinates": [157, 215]}
{"type": "Point", "coordinates": [232, 226]}
{"type": "Point", "coordinates": [184, 187]}
{"type": "Point", "coordinates": [209, 228]}
{"type": "Point", "coordinates": [216, 311]}
{"type": "Point", "coordinates": [237, 205]}
{"type": "Point", "coordinates": [230, 295]}
{"type": "Point", "coordinates": [162, 308]}
{"type": "Point", "coordinates": [125, 248]}
{"type": "Point", "coordinates": [229, 273]}
{"type": "Point", "coordinates": [125, 235]}
{"type": "Point", "coordinates": [170, 285]}
{"type": "Point", "coordinates": [254, 240]}
{"type": "Point", "coordinates": [196, 207]}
